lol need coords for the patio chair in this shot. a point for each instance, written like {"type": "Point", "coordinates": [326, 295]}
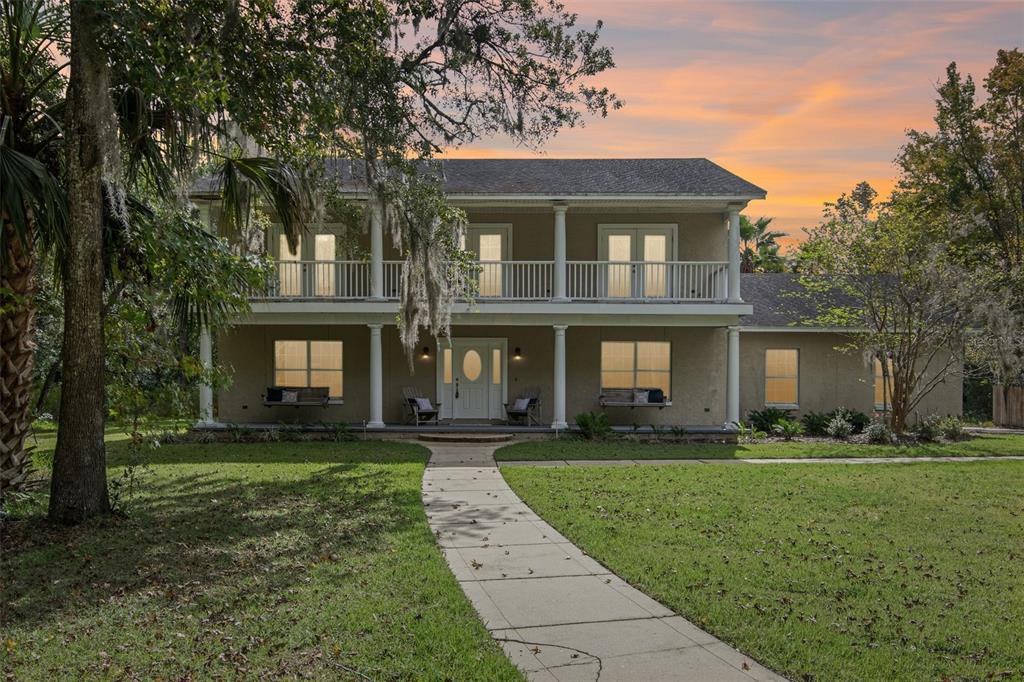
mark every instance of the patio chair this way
{"type": "Point", "coordinates": [525, 409]}
{"type": "Point", "coordinates": [421, 410]}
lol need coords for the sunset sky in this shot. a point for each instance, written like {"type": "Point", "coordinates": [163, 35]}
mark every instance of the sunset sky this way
{"type": "Point", "coordinates": [803, 98]}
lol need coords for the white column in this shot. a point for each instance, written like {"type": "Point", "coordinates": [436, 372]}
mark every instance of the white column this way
{"type": "Point", "coordinates": [205, 390]}
{"type": "Point", "coordinates": [376, 251]}
{"type": "Point", "coordinates": [732, 381]}
{"type": "Point", "coordinates": [558, 421]}
{"type": "Point", "coordinates": [559, 274]}
{"type": "Point", "coordinates": [376, 379]}
{"type": "Point", "coordinates": [734, 255]}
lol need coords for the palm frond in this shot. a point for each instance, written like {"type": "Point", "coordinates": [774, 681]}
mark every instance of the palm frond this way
{"type": "Point", "coordinates": [33, 200]}
{"type": "Point", "coordinates": [287, 191]}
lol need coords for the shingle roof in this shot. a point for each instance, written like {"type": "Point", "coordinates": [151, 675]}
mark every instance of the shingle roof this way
{"type": "Point", "coordinates": [568, 177]}
{"type": "Point", "coordinates": [779, 300]}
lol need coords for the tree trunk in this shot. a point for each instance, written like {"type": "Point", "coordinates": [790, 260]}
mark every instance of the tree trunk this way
{"type": "Point", "coordinates": [79, 484]}
{"type": "Point", "coordinates": [16, 291]}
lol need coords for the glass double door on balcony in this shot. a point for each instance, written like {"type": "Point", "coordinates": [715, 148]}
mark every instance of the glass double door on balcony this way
{"type": "Point", "coordinates": [637, 261]}
{"type": "Point", "coordinates": [313, 268]}
{"type": "Point", "coordinates": [490, 245]}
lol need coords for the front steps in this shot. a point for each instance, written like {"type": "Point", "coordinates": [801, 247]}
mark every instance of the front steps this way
{"type": "Point", "coordinates": [466, 437]}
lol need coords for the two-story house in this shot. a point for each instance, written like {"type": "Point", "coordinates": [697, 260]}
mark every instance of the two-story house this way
{"type": "Point", "coordinates": [604, 284]}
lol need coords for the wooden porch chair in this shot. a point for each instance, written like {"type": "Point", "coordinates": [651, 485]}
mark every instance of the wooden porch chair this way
{"type": "Point", "coordinates": [421, 410]}
{"type": "Point", "coordinates": [525, 409]}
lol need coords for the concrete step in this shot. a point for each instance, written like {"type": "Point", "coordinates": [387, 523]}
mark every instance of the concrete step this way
{"type": "Point", "coordinates": [466, 437]}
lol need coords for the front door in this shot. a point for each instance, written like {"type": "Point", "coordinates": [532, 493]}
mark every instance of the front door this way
{"type": "Point", "coordinates": [472, 376]}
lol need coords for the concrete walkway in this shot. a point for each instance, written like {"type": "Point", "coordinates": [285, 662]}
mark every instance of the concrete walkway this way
{"type": "Point", "coordinates": [558, 614]}
{"type": "Point", "coordinates": [754, 460]}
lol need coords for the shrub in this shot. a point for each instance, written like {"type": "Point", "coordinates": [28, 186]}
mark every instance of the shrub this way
{"type": "Point", "coordinates": [788, 429]}
{"type": "Point", "coordinates": [594, 425]}
{"type": "Point", "coordinates": [766, 419]}
{"type": "Point", "coordinates": [747, 432]}
{"type": "Point", "coordinates": [816, 423]}
{"type": "Point", "coordinates": [927, 428]}
{"type": "Point", "coordinates": [878, 432]}
{"type": "Point", "coordinates": [856, 419]}
{"type": "Point", "coordinates": [952, 428]}
{"type": "Point", "coordinates": [839, 428]}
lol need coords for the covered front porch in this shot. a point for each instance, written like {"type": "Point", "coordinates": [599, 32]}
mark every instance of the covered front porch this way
{"type": "Point", "coordinates": [651, 377]}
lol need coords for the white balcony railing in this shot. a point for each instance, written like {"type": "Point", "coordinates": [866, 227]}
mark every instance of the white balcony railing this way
{"type": "Point", "coordinates": [515, 280]}
{"type": "Point", "coordinates": [645, 280]}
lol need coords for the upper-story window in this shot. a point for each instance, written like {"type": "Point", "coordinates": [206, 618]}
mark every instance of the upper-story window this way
{"type": "Point", "coordinates": [636, 365]}
{"type": "Point", "coordinates": [782, 377]}
{"type": "Point", "coordinates": [637, 257]}
{"type": "Point", "coordinates": [308, 274]}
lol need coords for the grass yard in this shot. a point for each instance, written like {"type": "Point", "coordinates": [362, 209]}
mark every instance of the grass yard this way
{"type": "Point", "coordinates": [574, 448]}
{"type": "Point", "coordinates": [309, 560]}
{"type": "Point", "coordinates": [821, 572]}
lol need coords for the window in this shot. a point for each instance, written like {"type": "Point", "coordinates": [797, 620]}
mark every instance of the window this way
{"type": "Point", "coordinates": [289, 267]}
{"type": "Point", "coordinates": [309, 363]}
{"type": "Point", "coordinates": [636, 364]}
{"type": "Point", "coordinates": [781, 376]}
{"type": "Point", "coordinates": [324, 251]}
{"type": "Point", "coordinates": [883, 393]}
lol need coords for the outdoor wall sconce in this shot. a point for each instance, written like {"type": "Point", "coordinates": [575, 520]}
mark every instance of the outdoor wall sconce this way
{"type": "Point", "coordinates": [426, 353]}
{"type": "Point", "coordinates": [517, 354]}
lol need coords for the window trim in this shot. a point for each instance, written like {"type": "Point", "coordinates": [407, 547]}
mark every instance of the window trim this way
{"type": "Point", "coordinates": [636, 369]}
{"type": "Point", "coordinates": [877, 375]}
{"type": "Point", "coordinates": [795, 405]}
{"type": "Point", "coordinates": [309, 369]}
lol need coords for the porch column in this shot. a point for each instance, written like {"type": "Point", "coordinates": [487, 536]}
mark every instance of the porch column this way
{"type": "Point", "coordinates": [732, 381]}
{"type": "Point", "coordinates": [734, 255]}
{"type": "Point", "coordinates": [558, 421]}
{"type": "Point", "coordinates": [376, 379]}
{"type": "Point", "coordinates": [205, 390]}
{"type": "Point", "coordinates": [376, 251]}
{"type": "Point", "coordinates": [559, 274]}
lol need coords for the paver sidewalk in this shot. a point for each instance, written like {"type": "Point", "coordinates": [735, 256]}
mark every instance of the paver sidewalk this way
{"type": "Point", "coordinates": [558, 614]}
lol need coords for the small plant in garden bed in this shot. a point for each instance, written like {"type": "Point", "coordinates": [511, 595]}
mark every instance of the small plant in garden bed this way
{"type": "Point", "coordinates": [878, 432]}
{"type": "Point", "coordinates": [816, 423]}
{"type": "Point", "coordinates": [952, 428]}
{"type": "Point", "coordinates": [788, 429]}
{"type": "Point", "coordinates": [748, 433]}
{"type": "Point", "coordinates": [927, 428]}
{"type": "Point", "coordinates": [839, 428]}
{"type": "Point", "coordinates": [594, 425]}
{"type": "Point", "coordinates": [766, 419]}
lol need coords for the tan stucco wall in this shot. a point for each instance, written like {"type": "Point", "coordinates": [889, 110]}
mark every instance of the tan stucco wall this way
{"type": "Point", "coordinates": [700, 236]}
{"type": "Point", "coordinates": [698, 371]}
{"type": "Point", "coordinates": [828, 378]}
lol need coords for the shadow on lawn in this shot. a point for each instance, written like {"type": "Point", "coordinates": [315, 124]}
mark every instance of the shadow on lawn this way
{"type": "Point", "coordinates": [212, 535]}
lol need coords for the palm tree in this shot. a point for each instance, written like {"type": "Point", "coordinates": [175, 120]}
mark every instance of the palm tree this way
{"type": "Point", "coordinates": [33, 184]}
{"type": "Point", "coordinates": [759, 251]}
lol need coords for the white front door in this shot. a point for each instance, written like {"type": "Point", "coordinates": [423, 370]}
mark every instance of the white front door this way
{"type": "Point", "coordinates": [471, 378]}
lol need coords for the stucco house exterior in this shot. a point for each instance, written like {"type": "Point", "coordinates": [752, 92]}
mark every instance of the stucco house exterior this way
{"type": "Point", "coordinates": [604, 284]}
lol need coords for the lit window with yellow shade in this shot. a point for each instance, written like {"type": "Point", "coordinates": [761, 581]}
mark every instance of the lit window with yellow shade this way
{"type": "Point", "coordinates": [781, 376]}
{"type": "Point", "coordinates": [636, 364]}
{"type": "Point", "coordinates": [303, 364]}
{"type": "Point", "coordinates": [883, 392]}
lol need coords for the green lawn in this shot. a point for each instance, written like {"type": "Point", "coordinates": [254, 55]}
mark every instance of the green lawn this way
{"type": "Point", "coordinates": [821, 572]}
{"type": "Point", "coordinates": [309, 560]}
{"type": "Point", "coordinates": [573, 448]}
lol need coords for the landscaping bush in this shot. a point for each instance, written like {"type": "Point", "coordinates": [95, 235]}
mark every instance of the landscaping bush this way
{"type": "Point", "coordinates": [788, 429]}
{"type": "Point", "coordinates": [594, 425]}
{"type": "Point", "coordinates": [766, 419]}
{"type": "Point", "coordinates": [839, 428]}
{"type": "Point", "coordinates": [928, 428]}
{"type": "Point", "coordinates": [816, 423]}
{"type": "Point", "coordinates": [878, 432]}
{"type": "Point", "coordinates": [747, 432]}
{"type": "Point", "coordinates": [952, 428]}
{"type": "Point", "coordinates": [858, 421]}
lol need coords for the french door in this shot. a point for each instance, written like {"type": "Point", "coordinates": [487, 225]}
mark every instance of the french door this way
{"type": "Point", "coordinates": [312, 270]}
{"type": "Point", "coordinates": [490, 245]}
{"type": "Point", "coordinates": [637, 260]}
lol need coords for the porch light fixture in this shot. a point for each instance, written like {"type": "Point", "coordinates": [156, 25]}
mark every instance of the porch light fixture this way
{"type": "Point", "coordinates": [426, 353]}
{"type": "Point", "coordinates": [517, 354]}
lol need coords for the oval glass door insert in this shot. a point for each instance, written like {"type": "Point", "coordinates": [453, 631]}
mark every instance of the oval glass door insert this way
{"type": "Point", "coordinates": [471, 365]}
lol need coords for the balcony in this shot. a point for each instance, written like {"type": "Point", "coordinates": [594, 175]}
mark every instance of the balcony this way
{"type": "Point", "coordinates": [641, 281]}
